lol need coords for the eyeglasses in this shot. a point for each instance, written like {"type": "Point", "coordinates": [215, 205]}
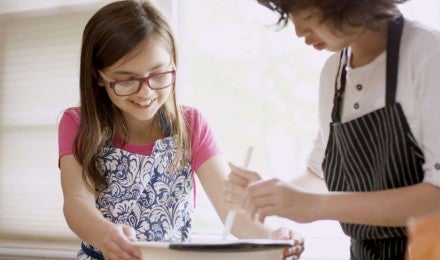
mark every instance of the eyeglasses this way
{"type": "Point", "coordinates": [133, 86]}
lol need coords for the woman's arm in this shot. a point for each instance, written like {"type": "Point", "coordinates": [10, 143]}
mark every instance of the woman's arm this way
{"type": "Point", "coordinates": [382, 208]}
{"type": "Point", "coordinates": [85, 220]}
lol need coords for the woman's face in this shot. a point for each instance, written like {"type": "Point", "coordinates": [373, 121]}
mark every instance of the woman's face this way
{"type": "Point", "coordinates": [148, 58]}
{"type": "Point", "coordinates": [321, 35]}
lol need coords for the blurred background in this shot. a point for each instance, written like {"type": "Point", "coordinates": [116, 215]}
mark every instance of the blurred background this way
{"type": "Point", "coordinates": [256, 85]}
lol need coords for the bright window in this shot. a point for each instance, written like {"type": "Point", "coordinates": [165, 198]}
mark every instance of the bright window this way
{"type": "Point", "coordinates": [256, 86]}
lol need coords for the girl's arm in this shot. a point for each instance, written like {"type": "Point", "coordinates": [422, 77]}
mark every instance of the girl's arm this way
{"type": "Point", "coordinates": [212, 175]}
{"type": "Point", "coordinates": [85, 220]}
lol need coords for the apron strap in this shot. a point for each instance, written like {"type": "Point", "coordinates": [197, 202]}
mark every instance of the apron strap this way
{"type": "Point", "coordinates": [165, 125]}
{"type": "Point", "coordinates": [393, 46]}
{"type": "Point", "coordinates": [339, 91]}
{"type": "Point", "coordinates": [92, 253]}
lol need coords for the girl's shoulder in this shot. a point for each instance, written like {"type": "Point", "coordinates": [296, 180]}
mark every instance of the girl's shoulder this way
{"type": "Point", "coordinates": [195, 118]}
{"type": "Point", "coordinates": [192, 114]}
{"type": "Point", "coordinates": [73, 113]}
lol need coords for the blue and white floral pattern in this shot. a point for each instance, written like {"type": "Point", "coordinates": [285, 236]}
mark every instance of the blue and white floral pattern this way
{"type": "Point", "coordinates": [141, 194]}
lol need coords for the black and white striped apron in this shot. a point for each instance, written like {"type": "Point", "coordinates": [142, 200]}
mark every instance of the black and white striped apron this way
{"type": "Point", "coordinates": [374, 152]}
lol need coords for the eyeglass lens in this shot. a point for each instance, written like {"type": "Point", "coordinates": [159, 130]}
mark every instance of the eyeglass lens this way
{"type": "Point", "coordinates": [129, 87]}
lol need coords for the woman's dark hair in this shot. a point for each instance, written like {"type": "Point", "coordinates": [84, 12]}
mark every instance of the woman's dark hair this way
{"type": "Point", "coordinates": [342, 13]}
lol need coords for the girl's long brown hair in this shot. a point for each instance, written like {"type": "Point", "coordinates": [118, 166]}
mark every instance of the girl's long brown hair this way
{"type": "Point", "coordinates": [109, 35]}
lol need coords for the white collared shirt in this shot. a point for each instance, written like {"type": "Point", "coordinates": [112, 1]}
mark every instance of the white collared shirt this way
{"type": "Point", "coordinates": [418, 92]}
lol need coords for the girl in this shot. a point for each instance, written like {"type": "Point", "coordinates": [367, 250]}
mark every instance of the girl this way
{"type": "Point", "coordinates": [378, 150]}
{"type": "Point", "coordinates": [128, 153]}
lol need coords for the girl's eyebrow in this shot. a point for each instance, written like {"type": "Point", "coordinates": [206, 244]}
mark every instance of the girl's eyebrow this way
{"type": "Point", "coordinates": [126, 72]}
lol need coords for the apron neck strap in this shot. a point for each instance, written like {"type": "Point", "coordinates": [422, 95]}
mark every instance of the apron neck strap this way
{"type": "Point", "coordinates": [395, 28]}
{"type": "Point", "coordinates": [340, 81]}
{"type": "Point", "coordinates": [393, 46]}
{"type": "Point", "coordinates": [165, 126]}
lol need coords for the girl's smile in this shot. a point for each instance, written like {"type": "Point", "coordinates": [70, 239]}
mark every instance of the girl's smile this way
{"type": "Point", "coordinates": [144, 104]}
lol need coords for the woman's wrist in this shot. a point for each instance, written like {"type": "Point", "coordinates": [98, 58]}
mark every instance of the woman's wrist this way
{"type": "Point", "coordinates": [322, 206]}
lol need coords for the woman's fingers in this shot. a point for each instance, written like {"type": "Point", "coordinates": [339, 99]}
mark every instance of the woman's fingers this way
{"type": "Point", "coordinates": [257, 198]}
{"type": "Point", "coordinates": [260, 199]}
{"type": "Point", "coordinates": [259, 207]}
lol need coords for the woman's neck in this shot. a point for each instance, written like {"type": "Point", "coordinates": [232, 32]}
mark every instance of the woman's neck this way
{"type": "Point", "coordinates": [368, 46]}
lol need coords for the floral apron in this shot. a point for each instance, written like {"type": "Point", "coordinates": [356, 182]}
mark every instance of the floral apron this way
{"type": "Point", "coordinates": [374, 152]}
{"type": "Point", "coordinates": [141, 194]}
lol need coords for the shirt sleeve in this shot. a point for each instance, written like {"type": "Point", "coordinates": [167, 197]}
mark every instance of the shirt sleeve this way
{"type": "Point", "coordinates": [326, 92]}
{"type": "Point", "coordinates": [429, 105]}
{"type": "Point", "coordinates": [316, 156]}
{"type": "Point", "coordinates": [203, 141]}
{"type": "Point", "coordinates": [67, 129]}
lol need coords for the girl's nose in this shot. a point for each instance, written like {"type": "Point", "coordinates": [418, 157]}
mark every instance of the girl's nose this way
{"type": "Point", "coordinates": [145, 89]}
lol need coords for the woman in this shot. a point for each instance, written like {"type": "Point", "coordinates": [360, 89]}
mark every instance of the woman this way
{"type": "Point", "coordinates": [377, 148]}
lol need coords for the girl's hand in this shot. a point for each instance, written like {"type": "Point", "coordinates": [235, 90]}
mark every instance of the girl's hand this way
{"type": "Point", "coordinates": [237, 182]}
{"type": "Point", "coordinates": [295, 251]}
{"type": "Point", "coordinates": [117, 243]}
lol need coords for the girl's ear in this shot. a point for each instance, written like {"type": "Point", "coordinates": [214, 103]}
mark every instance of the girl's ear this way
{"type": "Point", "coordinates": [98, 76]}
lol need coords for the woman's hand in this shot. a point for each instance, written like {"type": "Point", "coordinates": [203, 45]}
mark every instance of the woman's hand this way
{"type": "Point", "coordinates": [117, 243]}
{"type": "Point", "coordinates": [236, 184]}
{"type": "Point", "coordinates": [295, 251]}
{"type": "Point", "coordinates": [276, 197]}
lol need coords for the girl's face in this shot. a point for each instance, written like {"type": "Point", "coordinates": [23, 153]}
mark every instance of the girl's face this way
{"type": "Point", "coordinates": [321, 35]}
{"type": "Point", "coordinates": [148, 58]}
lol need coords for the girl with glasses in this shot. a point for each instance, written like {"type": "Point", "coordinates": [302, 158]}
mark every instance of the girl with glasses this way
{"type": "Point", "coordinates": [378, 147]}
{"type": "Point", "coordinates": [129, 152]}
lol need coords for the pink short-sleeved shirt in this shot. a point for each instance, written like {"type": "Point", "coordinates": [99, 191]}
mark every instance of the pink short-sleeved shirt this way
{"type": "Point", "coordinates": [203, 142]}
